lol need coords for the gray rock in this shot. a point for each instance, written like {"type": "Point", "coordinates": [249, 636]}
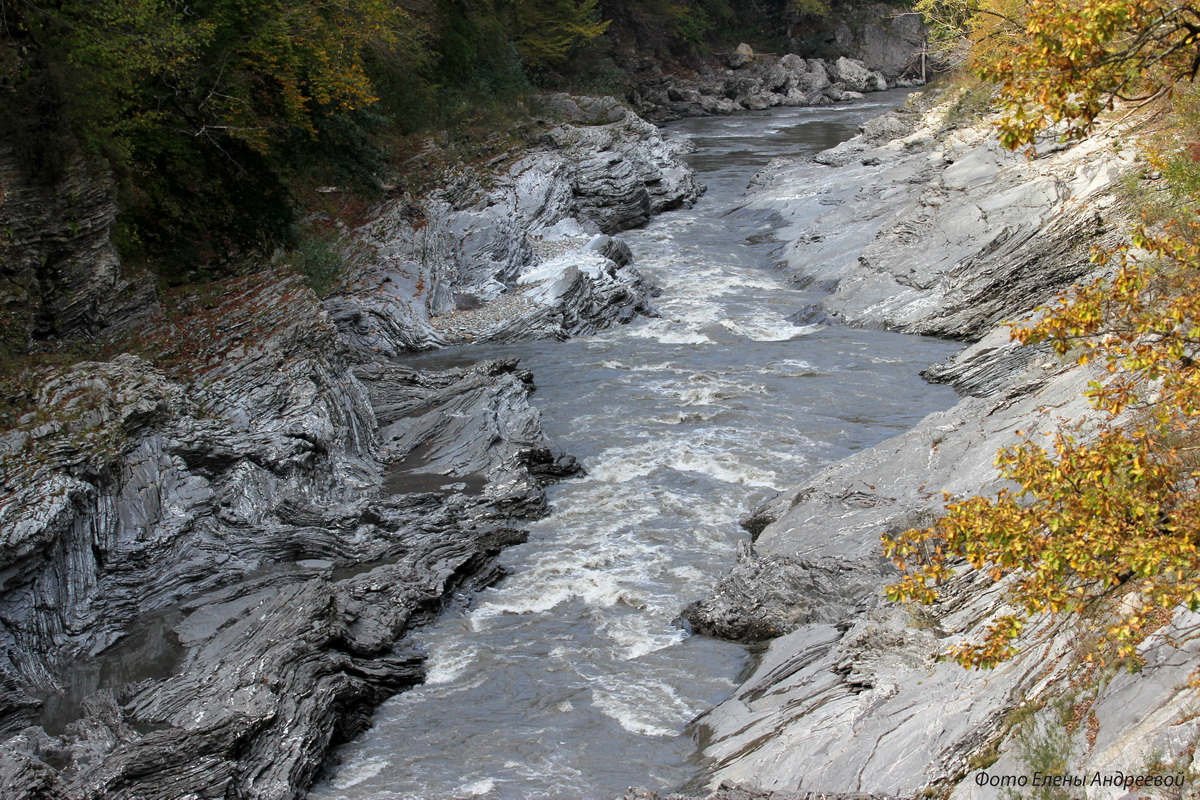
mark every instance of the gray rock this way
{"type": "Point", "coordinates": [765, 597]}
{"type": "Point", "coordinates": [795, 97]}
{"type": "Point", "coordinates": [852, 73]}
{"type": "Point", "coordinates": [614, 249]}
{"type": "Point", "coordinates": [414, 258]}
{"type": "Point", "coordinates": [965, 236]}
{"type": "Point", "coordinates": [779, 78]}
{"type": "Point", "coordinates": [145, 495]}
{"type": "Point", "coordinates": [742, 55]}
{"type": "Point", "coordinates": [740, 85]}
{"type": "Point", "coordinates": [757, 102]}
{"type": "Point", "coordinates": [718, 105]}
{"type": "Point", "coordinates": [890, 46]}
{"type": "Point", "coordinates": [815, 79]}
{"type": "Point", "coordinates": [794, 63]}
{"type": "Point", "coordinates": [59, 271]}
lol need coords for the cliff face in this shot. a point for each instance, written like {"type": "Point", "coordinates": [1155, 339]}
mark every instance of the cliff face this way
{"type": "Point", "coordinates": [926, 226]}
{"type": "Point", "coordinates": [59, 272]}
{"type": "Point", "coordinates": [257, 504]}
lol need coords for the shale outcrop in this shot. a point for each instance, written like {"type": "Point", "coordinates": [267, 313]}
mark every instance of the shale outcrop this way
{"type": "Point", "coordinates": [213, 544]}
{"type": "Point", "coordinates": [923, 224]}
{"type": "Point", "coordinates": [533, 238]}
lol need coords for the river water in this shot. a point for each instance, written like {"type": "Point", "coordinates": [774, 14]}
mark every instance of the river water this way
{"type": "Point", "coordinates": [571, 678]}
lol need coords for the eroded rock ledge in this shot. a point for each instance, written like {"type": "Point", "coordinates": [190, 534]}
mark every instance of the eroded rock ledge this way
{"type": "Point", "coordinates": [210, 551]}
{"type": "Point", "coordinates": [924, 225]}
{"type": "Point", "coordinates": [531, 241]}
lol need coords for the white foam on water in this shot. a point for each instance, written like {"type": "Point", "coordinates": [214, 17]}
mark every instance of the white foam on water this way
{"type": "Point", "coordinates": [665, 334]}
{"type": "Point", "coordinates": [727, 469]}
{"type": "Point", "coordinates": [707, 285]}
{"type": "Point", "coordinates": [476, 788]}
{"type": "Point", "coordinates": [641, 635]}
{"type": "Point", "coordinates": [688, 573]}
{"type": "Point", "coordinates": [447, 663]}
{"type": "Point", "coordinates": [768, 329]}
{"type": "Point", "coordinates": [650, 708]}
{"type": "Point", "coordinates": [790, 368]}
{"type": "Point", "coordinates": [353, 773]}
{"type": "Point", "coordinates": [696, 455]}
{"type": "Point", "coordinates": [665, 366]}
{"type": "Point", "coordinates": [594, 586]}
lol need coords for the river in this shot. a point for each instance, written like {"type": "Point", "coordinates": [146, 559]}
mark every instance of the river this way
{"type": "Point", "coordinates": [571, 678]}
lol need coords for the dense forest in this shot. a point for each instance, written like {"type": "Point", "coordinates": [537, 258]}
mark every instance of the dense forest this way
{"type": "Point", "coordinates": [218, 116]}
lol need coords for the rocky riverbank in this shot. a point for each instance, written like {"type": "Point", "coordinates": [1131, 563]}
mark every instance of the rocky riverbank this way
{"type": "Point", "coordinates": [931, 228]}
{"type": "Point", "coordinates": [213, 545]}
{"type": "Point", "coordinates": [756, 81]}
{"type": "Point", "coordinates": [867, 49]}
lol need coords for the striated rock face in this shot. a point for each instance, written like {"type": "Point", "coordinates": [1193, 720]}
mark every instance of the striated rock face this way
{"type": "Point", "coordinates": [288, 511]}
{"type": "Point", "coordinates": [211, 549]}
{"type": "Point", "coordinates": [885, 41]}
{"type": "Point", "coordinates": [59, 272]}
{"type": "Point", "coordinates": [522, 242]}
{"type": "Point", "coordinates": [853, 695]}
{"type": "Point", "coordinates": [924, 227]}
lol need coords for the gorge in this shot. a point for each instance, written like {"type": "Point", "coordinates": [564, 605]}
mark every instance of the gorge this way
{"type": "Point", "coordinates": [236, 531]}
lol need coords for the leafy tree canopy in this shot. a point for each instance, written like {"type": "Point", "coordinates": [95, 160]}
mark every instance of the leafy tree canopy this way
{"type": "Point", "coordinates": [1103, 522]}
{"type": "Point", "coordinates": [1061, 64]}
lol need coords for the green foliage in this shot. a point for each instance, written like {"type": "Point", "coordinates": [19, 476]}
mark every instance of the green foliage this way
{"type": "Point", "coordinates": [1118, 508]}
{"type": "Point", "coordinates": [319, 258]}
{"type": "Point", "coordinates": [548, 30]}
{"type": "Point", "coordinates": [692, 25]}
{"type": "Point", "coordinates": [1043, 746]}
{"type": "Point", "coordinates": [814, 8]}
{"type": "Point", "coordinates": [1059, 65]}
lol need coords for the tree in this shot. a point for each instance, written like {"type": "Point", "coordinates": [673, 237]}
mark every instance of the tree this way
{"type": "Point", "coordinates": [201, 106]}
{"type": "Point", "coordinates": [240, 68]}
{"type": "Point", "coordinates": [1120, 508]}
{"type": "Point", "coordinates": [1062, 64]}
{"type": "Point", "coordinates": [548, 30]}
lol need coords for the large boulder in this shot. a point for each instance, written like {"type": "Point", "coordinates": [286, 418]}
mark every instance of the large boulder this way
{"type": "Point", "coordinates": [794, 97]}
{"type": "Point", "coordinates": [854, 74]}
{"type": "Point", "coordinates": [816, 79]}
{"type": "Point", "coordinates": [741, 56]}
{"type": "Point", "coordinates": [794, 63]}
{"type": "Point", "coordinates": [778, 79]}
{"type": "Point", "coordinates": [758, 102]}
{"type": "Point", "coordinates": [718, 105]}
{"type": "Point", "coordinates": [738, 86]}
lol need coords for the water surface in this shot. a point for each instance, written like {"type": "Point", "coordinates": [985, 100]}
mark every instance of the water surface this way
{"type": "Point", "coordinates": [572, 679]}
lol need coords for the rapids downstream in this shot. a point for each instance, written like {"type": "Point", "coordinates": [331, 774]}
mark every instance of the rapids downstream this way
{"type": "Point", "coordinates": [572, 678]}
